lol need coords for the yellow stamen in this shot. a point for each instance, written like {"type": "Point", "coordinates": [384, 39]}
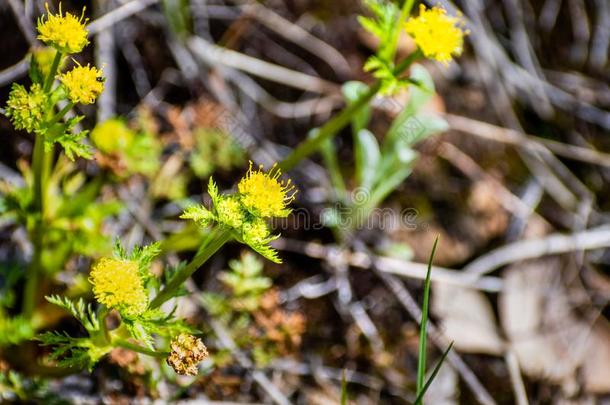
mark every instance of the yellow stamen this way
{"type": "Point", "coordinates": [66, 33]}
{"type": "Point", "coordinates": [438, 35]}
{"type": "Point", "coordinates": [264, 195]}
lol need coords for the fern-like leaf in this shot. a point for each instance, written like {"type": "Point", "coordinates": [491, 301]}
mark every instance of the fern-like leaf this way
{"type": "Point", "coordinates": [81, 311]}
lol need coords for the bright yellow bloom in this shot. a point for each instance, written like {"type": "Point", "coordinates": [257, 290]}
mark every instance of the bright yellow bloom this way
{"type": "Point", "coordinates": [437, 35]}
{"type": "Point", "coordinates": [26, 109]}
{"type": "Point", "coordinates": [117, 284]}
{"type": "Point", "coordinates": [66, 33]}
{"type": "Point", "coordinates": [263, 195]}
{"type": "Point", "coordinates": [83, 84]}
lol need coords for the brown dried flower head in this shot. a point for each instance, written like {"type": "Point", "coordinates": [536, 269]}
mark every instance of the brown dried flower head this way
{"type": "Point", "coordinates": [187, 352]}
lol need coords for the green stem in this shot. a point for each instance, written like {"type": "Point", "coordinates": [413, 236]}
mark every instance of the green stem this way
{"type": "Point", "coordinates": [39, 163]}
{"type": "Point", "coordinates": [137, 348]}
{"type": "Point", "coordinates": [104, 332]}
{"type": "Point", "coordinates": [48, 83]}
{"type": "Point", "coordinates": [215, 241]}
{"type": "Point", "coordinates": [340, 121]}
{"type": "Point", "coordinates": [60, 114]}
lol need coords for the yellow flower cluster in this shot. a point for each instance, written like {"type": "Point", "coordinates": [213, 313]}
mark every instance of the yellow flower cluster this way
{"type": "Point", "coordinates": [26, 109]}
{"type": "Point", "coordinates": [438, 35]}
{"type": "Point", "coordinates": [117, 284]}
{"type": "Point", "coordinates": [264, 195]}
{"type": "Point", "coordinates": [187, 352]}
{"type": "Point", "coordinates": [260, 196]}
{"type": "Point", "coordinates": [229, 212]}
{"type": "Point", "coordinates": [66, 33]}
{"type": "Point", "coordinates": [83, 84]}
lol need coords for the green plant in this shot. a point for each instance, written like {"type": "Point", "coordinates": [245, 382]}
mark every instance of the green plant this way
{"type": "Point", "coordinates": [56, 205]}
{"type": "Point", "coordinates": [64, 209]}
{"type": "Point", "coordinates": [251, 313]}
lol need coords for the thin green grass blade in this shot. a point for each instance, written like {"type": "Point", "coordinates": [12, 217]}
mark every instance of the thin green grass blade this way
{"type": "Point", "coordinates": [423, 336]}
{"type": "Point", "coordinates": [420, 395]}
{"type": "Point", "coordinates": [343, 389]}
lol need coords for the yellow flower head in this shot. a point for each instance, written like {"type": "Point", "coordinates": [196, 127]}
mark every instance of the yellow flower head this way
{"type": "Point", "coordinates": [66, 33]}
{"type": "Point", "coordinates": [437, 35]}
{"type": "Point", "coordinates": [26, 109]}
{"type": "Point", "coordinates": [117, 284]}
{"type": "Point", "coordinates": [262, 194]}
{"type": "Point", "coordinates": [83, 84]}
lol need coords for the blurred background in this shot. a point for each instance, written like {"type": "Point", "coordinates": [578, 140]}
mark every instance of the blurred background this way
{"type": "Point", "coordinates": [516, 189]}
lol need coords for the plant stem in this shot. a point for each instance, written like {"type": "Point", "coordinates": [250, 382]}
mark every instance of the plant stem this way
{"type": "Point", "coordinates": [217, 238]}
{"type": "Point", "coordinates": [341, 120]}
{"type": "Point", "coordinates": [39, 160]}
{"type": "Point", "coordinates": [60, 114]}
{"type": "Point", "coordinates": [137, 348]}
{"type": "Point", "coordinates": [48, 83]}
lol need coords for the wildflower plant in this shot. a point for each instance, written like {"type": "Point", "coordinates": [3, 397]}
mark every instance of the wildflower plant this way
{"type": "Point", "coordinates": [45, 205]}
{"type": "Point", "coordinates": [63, 210]}
{"type": "Point", "coordinates": [244, 214]}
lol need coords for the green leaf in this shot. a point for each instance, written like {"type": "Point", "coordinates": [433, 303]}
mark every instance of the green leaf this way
{"type": "Point", "coordinates": [424, 90]}
{"type": "Point", "coordinates": [143, 255]}
{"type": "Point", "coordinates": [423, 332]}
{"type": "Point", "coordinates": [420, 395]}
{"type": "Point", "coordinates": [79, 353]}
{"type": "Point", "coordinates": [384, 72]}
{"type": "Point", "coordinates": [367, 157]}
{"type": "Point", "coordinates": [329, 154]}
{"type": "Point", "coordinates": [81, 311]}
{"type": "Point", "coordinates": [420, 93]}
{"type": "Point", "coordinates": [352, 91]}
{"type": "Point", "coordinates": [35, 73]}
{"type": "Point", "coordinates": [384, 26]}
{"type": "Point", "coordinates": [14, 330]}
{"type": "Point", "coordinates": [200, 214]}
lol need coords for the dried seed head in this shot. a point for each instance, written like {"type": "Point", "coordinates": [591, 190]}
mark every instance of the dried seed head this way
{"type": "Point", "coordinates": [187, 352]}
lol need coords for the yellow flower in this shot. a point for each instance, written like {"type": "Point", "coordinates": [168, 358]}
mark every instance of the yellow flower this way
{"type": "Point", "coordinates": [262, 194]}
{"type": "Point", "coordinates": [112, 136]}
{"type": "Point", "coordinates": [44, 56]}
{"type": "Point", "coordinates": [66, 33]}
{"type": "Point", "coordinates": [117, 284]}
{"type": "Point", "coordinates": [83, 84]}
{"type": "Point", "coordinates": [437, 35]}
{"type": "Point", "coordinates": [26, 109]}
